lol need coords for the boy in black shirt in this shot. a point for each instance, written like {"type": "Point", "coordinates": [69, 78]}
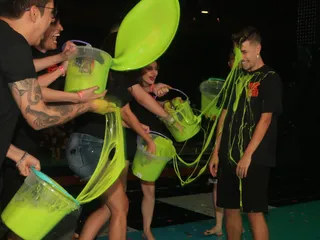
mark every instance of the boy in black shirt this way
{"type": "Point", "coordinates": [23, 23]}
{"type": "Point", "coordinates": [245, 147]}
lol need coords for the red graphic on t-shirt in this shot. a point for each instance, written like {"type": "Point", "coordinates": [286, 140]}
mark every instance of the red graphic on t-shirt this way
{"type": "Point", "coordinates": [253, 89]}
{"type": "Point", "coordinates": [52, 68]}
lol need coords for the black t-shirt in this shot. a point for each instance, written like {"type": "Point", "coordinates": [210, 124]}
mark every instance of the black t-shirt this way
{"type": "Point", "coordinates": [26, 137]}
{"type": "Point", "coordinates": [15, 65]}
{"type": "Point", "coordinates": [58, 84]}
{"type": "Point", "coordinates": [146, 117]}
{"type": "Point", "coordinates": [263, 94]}
{"type": "Point", "coordinates": [119, 84]}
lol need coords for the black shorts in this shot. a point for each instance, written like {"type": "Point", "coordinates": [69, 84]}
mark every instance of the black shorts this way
{"type": "Point", "coordinates": [254, 188]}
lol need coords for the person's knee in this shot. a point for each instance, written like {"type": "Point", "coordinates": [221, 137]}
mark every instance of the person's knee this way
{"type": "Point", "coordinates": [232, 212]}
{"type": "Point", "coordinates": [148, 189]}
{"type": "Point", "coordinates": [117, 200]}
{"type": "Point", "coordinates": [255, 216]}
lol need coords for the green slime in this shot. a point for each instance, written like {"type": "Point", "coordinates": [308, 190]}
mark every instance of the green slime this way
{"type": "Point", "coordinates": [183, 114]}
{"type": "Point", "coordinates": [236, 83]}
{"type": "Point", "coordinates": [89, 74]}
{"type": "Point", "coordinates": [108, 170]}
{"type": "Point", "coordinates": [36, 209]}
{"type": "Point", "coordinates": [149, 167]}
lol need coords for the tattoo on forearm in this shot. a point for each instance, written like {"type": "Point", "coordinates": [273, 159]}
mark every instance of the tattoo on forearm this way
{"type": "Point", "coordinates": [30, 87]}
{"type": "Point", "coordinates": [82, 108]}
{"type": "Point", "coordinates": [42, 120]}
{"type": "Point", "coordinates": [48, 115]}
{"type": "Point", "coordinates": [63, 109]}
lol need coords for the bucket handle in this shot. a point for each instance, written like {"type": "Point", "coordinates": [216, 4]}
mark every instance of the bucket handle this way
{"type": "Point", "coordinates": [160, 134]}
{"type": "Point", "coordinates": [175, 89]}
{"type": "Point", "coordinates": [77, 41]}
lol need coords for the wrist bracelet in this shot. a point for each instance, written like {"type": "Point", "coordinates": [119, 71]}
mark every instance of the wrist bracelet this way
{"type": "Point", "coordinates": [169, 119]}
{"type": "Point", "coordinates": [24, 156]}
{"type": "Point", "coordinates": [61, 68]}
{"type": "Point", "coordinates": [80, 94]}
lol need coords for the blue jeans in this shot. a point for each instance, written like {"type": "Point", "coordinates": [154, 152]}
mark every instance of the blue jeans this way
{"type": "Point", "coordinates": [83, 153]}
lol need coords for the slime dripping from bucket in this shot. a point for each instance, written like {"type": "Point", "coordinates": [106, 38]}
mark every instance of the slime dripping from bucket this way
{"type": "Point", "coordinates": [108, 170]}
{"type": "Point", "coordinates": [144, 35]}
{"type": "Point", "coordinates": [183, 114]}
{"type": "Point", "coordinates": [236, 83]}
{"type": "Point", "coordinates": [41, 202]}
{"type": "Point", "coordinates": [218, 102]}
{"type": "Point", "coordinates": [134, 54]}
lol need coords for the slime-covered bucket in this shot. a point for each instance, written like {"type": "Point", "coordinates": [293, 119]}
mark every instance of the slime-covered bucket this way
{"type": "Point", "coordinates": [181, 111]}
{"type": "Point", "coordinates": [209, 90]}
{"type": "Point", "coordinates": [145, 33]}
{"type": "Point", "coordinates": [37, 207]}
{"type": "Point", "coordinates": [88, 67]}
{"type": "Point", "coordinates": [147, 166]}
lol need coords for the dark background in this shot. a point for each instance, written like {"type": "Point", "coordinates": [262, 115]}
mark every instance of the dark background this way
{"type": "Point", "coordinates": [290, 33]}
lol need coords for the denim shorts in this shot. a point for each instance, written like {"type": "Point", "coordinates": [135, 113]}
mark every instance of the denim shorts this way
{"type": "Point", "coordinates": [83, 154]}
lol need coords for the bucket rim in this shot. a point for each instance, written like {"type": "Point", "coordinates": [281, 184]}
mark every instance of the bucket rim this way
{"type": "Point", "coordinates": [202, 85]}
{"type": "Point", "coordinates": [216, 79]}
{"type": "Point", "coordinates": [77, 55]}
{"type": "Point", "coordinates": [140, 147]}
{"type": "Point", "coordinates": [52, 184]}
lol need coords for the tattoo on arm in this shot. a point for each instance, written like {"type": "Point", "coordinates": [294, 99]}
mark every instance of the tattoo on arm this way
{"type": "Point", "coordinates": [30, 87]}
{"type": "Point", "coordinates": [63, 109]}
{"type": "Point", "coordinates": [42, 120]}
{"type": "Point", "coordinates": [43, 115]}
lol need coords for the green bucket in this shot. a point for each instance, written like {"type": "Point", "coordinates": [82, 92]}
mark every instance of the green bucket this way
{"type": "Point", "coordinates": [182, 112]}
{"type": "Point", "coordinates": [87, 68]}
{"type": "Point", "coordinates": [209, 90]}
{"type": "Point", "coordinates": [147, 166]}
{"type": "Point", "coordinates": [37, 207]}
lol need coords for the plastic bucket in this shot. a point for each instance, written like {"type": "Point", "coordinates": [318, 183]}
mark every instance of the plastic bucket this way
{"type": "Point", "coordinates": [37, 207]}
{"type": "Point", "coordinates": [181, 111]}
{"type": "Point", "coordinates": [147, 166]}
{"type": "Point", "coordinates": [145, 33]}
{"type": "Point", "coordinates": [88, 67]}
{"type": "Point", "coordinates": [209, 90]}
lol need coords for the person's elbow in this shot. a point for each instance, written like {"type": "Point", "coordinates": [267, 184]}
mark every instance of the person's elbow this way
{"type": "Point", "coordinates": [38, 119]}
{"type": "Point", "coordinates": [33, 124]}
{"type": "Point", "coordinates": [266, 118]}
{"type": "Point", "coordinates": [44, 94]}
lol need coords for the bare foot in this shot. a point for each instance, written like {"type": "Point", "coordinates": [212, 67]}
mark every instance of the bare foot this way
{"type": "Point", "coordinates": [148, 236]}
{"type": "Point", "coordinates": [213, 231]}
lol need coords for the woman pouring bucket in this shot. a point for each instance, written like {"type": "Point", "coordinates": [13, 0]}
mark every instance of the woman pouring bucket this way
{"type": "Point", "coordinates": [141, 157]}
{"type": "Point", "coordinates": [89, 139]}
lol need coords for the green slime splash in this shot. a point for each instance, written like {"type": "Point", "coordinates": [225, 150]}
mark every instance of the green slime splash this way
{"type": "Point", "coordinates": [236, 84]}
{"type": "Point", "coordinates": [108, 170]}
